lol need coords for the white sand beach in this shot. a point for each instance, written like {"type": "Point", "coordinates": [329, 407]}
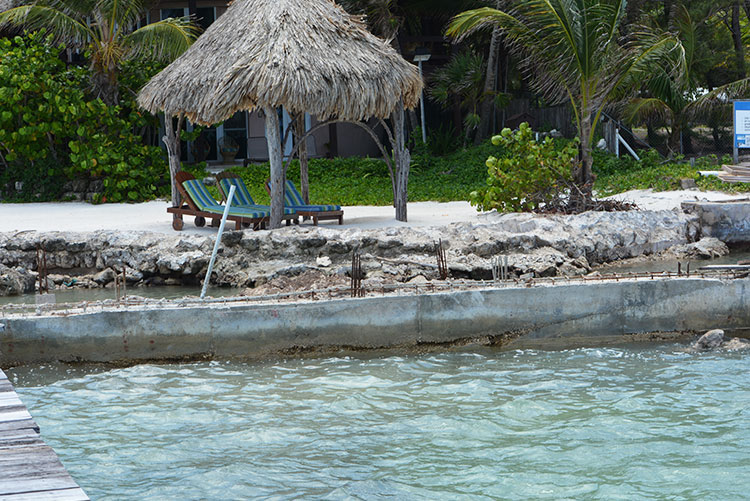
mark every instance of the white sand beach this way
{"type": "Point", "coordinates": [153, 216]}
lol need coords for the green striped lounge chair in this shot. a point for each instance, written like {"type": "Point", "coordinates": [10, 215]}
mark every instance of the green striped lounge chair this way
{"type": "Point", "coordinates": [242, 197]}
{"type": "Point", "coordinates": [293, 200]}
{"type": "Point", "coordinates": [201, 205]}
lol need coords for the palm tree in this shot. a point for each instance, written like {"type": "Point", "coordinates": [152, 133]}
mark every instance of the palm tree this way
{"type": "Point", "coordinates": [671, 98]}
{"type": "Point", "coordinates": [108, 32]}
{"type": "Point", "coordinates": [574, 52]}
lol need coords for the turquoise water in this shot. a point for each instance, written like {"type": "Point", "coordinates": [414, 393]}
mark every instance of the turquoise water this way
{"type": "Point", "coordinates": [642, 422]}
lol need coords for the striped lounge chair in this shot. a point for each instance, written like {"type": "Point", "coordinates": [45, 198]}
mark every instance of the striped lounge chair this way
{"type": "Point", "coordinates": [293, 200]}
{"type": "Point", "coordinates": [242, 197]}
{"type": "Point", "coordinates": [200, 204]}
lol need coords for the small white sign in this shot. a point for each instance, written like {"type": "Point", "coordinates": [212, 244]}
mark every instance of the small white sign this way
{"type": "Point", "coordinates": [742, 124]}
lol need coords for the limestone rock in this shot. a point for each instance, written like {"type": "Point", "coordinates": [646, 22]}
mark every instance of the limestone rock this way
{"type": "Point", "coordinates": [105, 276]}
{"type": "Point", "coordinates": [538, 245]}
{"type": "Point", "coordinates": [710, 340]}
{"type": "Point", "coordinates": [419, 279]}
{"type": "Point", "coordinates": [688, 184]}
{"type": "Point", "coordinates": [323, 261]}
{"type": "Point", "coordinates": [14, 282]}
{"type": "Point", "coordinates": [736, 344]}
{"type": "Point", "coordinates": [705, 248]}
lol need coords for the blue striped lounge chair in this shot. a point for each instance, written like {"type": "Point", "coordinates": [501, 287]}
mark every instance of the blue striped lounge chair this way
{"type": "Point", "coordinates": [293, 200]}
{"type": "Point", "coordinates": [242, 197]}
{"type": "Point", "coordinates": [200, 204]}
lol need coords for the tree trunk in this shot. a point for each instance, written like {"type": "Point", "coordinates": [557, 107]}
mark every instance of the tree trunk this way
{"type": "Point", "coordinates": [299, 132]}
{"type": "Point", "coordinates": [490, 81]}
{"type": "Point", "coordinates": [333, 141]}
{"type": "Point", "coordinates": [458, 121]}
{"type": "Point", "coordinates": [584, 177]}
{"type": "Point", "coordinates": [739, 47]}
{"type": "Point", "coordinates": [674, 139]}
{"type": "Point", "coordinates": [273, 137]}
{"type": "Point", "coordinates": [667, 13]}
{"type": "Point", "coordinates": [104, 86]}
{"type": "Point", "coordinates": [633, 11]}
{"type": "Point", "coordinates": [402, 158]}
{"type": "Point", "coordinates": [172, 142]}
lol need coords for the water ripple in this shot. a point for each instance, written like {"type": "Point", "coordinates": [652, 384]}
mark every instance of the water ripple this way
{"type": "Point", "coordinates": [637, 423]}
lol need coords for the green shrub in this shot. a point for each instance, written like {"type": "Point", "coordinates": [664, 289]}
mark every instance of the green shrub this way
{"type": "Point", "coordinates": [365, 181]}
{"type": "Point", "coordinates": [617, 175]}
{"type": "Point", "coordinates": [528, 175]}
{"type": "Point", "coordinates": [50, 131]}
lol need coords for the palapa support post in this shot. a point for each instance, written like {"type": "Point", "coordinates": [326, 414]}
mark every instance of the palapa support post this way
{"type": "Point", "coordinates": [402, 159]}
{"type": "Point", "coordinates": [301, 137]}
{"type": "Point", "coordinates": [172, 142]}
{"type": "Point", "coordinates": [273, 137]}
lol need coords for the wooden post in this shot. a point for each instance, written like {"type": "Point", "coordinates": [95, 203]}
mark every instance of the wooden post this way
{"type": "Point", "coordinates": [402, 159]}
{"type": "Point", "coordinates": [273, 137]}
{"type": "Point", "coordinates": [304, 180]}
{"type": "Point", "coordinates": [172, 142]}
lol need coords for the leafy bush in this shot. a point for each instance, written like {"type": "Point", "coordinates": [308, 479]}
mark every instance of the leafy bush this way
{"type": "Point", "coordinates": [365, 181]}
{"type": "Point", "coordinates": [529, 174]}
{"type": "Point", "coordinates": [51, 132]}
{"type": "Point", "coordinates": [617, 175]}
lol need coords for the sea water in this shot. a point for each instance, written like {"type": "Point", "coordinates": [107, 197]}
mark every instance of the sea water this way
{"type": "Point", "coordinates": [641, 422]}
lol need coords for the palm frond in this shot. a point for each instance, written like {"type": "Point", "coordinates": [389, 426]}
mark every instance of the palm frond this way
{"type": "Point", "coordinates": [63, 27]}
{"type": "Point", "coordinates": [77, 9]}
{"type": "Point", "coordinates": [163, 40]}
{"type": "Point", "coordinates": [720, 97]}
{"type": "Point", "coordinates": [642, 109]}
{"type": "Point", "coordinates": [120, 15]}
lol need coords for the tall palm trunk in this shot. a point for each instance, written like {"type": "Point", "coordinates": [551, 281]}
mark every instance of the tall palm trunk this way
{"type": "Point", "coordinates": [739, 46]}
{"type": "Point", "coordinates": [105, 85]}
{"type": "Point", "coordinates": [584, 175]}
{"type": "Point", "coordinates": [490, 83]}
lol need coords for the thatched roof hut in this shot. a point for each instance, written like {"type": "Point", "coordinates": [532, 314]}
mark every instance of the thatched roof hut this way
{"type": "Point", "coordinates": [305, 55]}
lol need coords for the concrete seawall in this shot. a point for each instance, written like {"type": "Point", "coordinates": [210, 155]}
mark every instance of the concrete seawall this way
{"type": "Point", "coordinates": [258, 330]}
{"type": "Point", "coordinates": [539, 313]}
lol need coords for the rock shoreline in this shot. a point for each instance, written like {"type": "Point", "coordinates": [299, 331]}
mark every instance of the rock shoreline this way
{"type": "Point", "coordinates": [535, 245]}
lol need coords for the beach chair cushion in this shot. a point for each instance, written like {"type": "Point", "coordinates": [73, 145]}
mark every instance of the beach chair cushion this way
{"type": "Point", "coordinates": [293, 199]}
{"type": "Point", "coordinates": [206, 203]}
{"type": "Point", "coordinates": [241, 194]}
{"type": "Point", "coordinates": [242, 197]}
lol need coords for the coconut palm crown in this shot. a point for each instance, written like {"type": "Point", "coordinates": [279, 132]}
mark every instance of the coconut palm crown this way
{"type": "Point", "coordinates": [107, 30]}
{"type": "Point", "coordinates": [573, 50]}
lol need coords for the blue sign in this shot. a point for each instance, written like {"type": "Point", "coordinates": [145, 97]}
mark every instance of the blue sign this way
{"type": "Point", "coordinates": [742, 124]}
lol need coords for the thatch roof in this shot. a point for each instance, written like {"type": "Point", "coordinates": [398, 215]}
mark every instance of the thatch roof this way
{"type": "Point", "coordinates": [306, 55]}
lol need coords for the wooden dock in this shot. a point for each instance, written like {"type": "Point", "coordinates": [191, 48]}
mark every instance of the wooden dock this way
{"type": "Point", "coordinates": [29, 468]}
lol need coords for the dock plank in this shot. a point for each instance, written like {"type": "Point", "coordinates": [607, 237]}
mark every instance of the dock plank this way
{"type": "Point", "coordinates": [75, 494]}
{"type": "Point", "coordinates": [29, 468]}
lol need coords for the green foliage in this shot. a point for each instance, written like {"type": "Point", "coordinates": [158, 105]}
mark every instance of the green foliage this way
{"type": "Point", "coordinates": [529, 174]}
{"type": "Point", "coordinates": [617, 175]}
{"type": "Point", "coordinates": [109, 32]}
{"type": "Point", "coordinates": [365, 181]}
{"type": "Point", "coordinates": [461, 81]}
{"type": "Point", "coordinates": [50, 131]}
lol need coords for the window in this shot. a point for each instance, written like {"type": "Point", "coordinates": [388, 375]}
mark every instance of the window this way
{"type": "Point", "coordinates": [206, 16]}
{"type": "Point", "coordinates": [167, 13]}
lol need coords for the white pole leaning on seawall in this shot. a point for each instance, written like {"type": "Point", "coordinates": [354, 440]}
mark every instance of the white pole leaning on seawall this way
{"type": "Point", "coordinates": [218, 241]}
